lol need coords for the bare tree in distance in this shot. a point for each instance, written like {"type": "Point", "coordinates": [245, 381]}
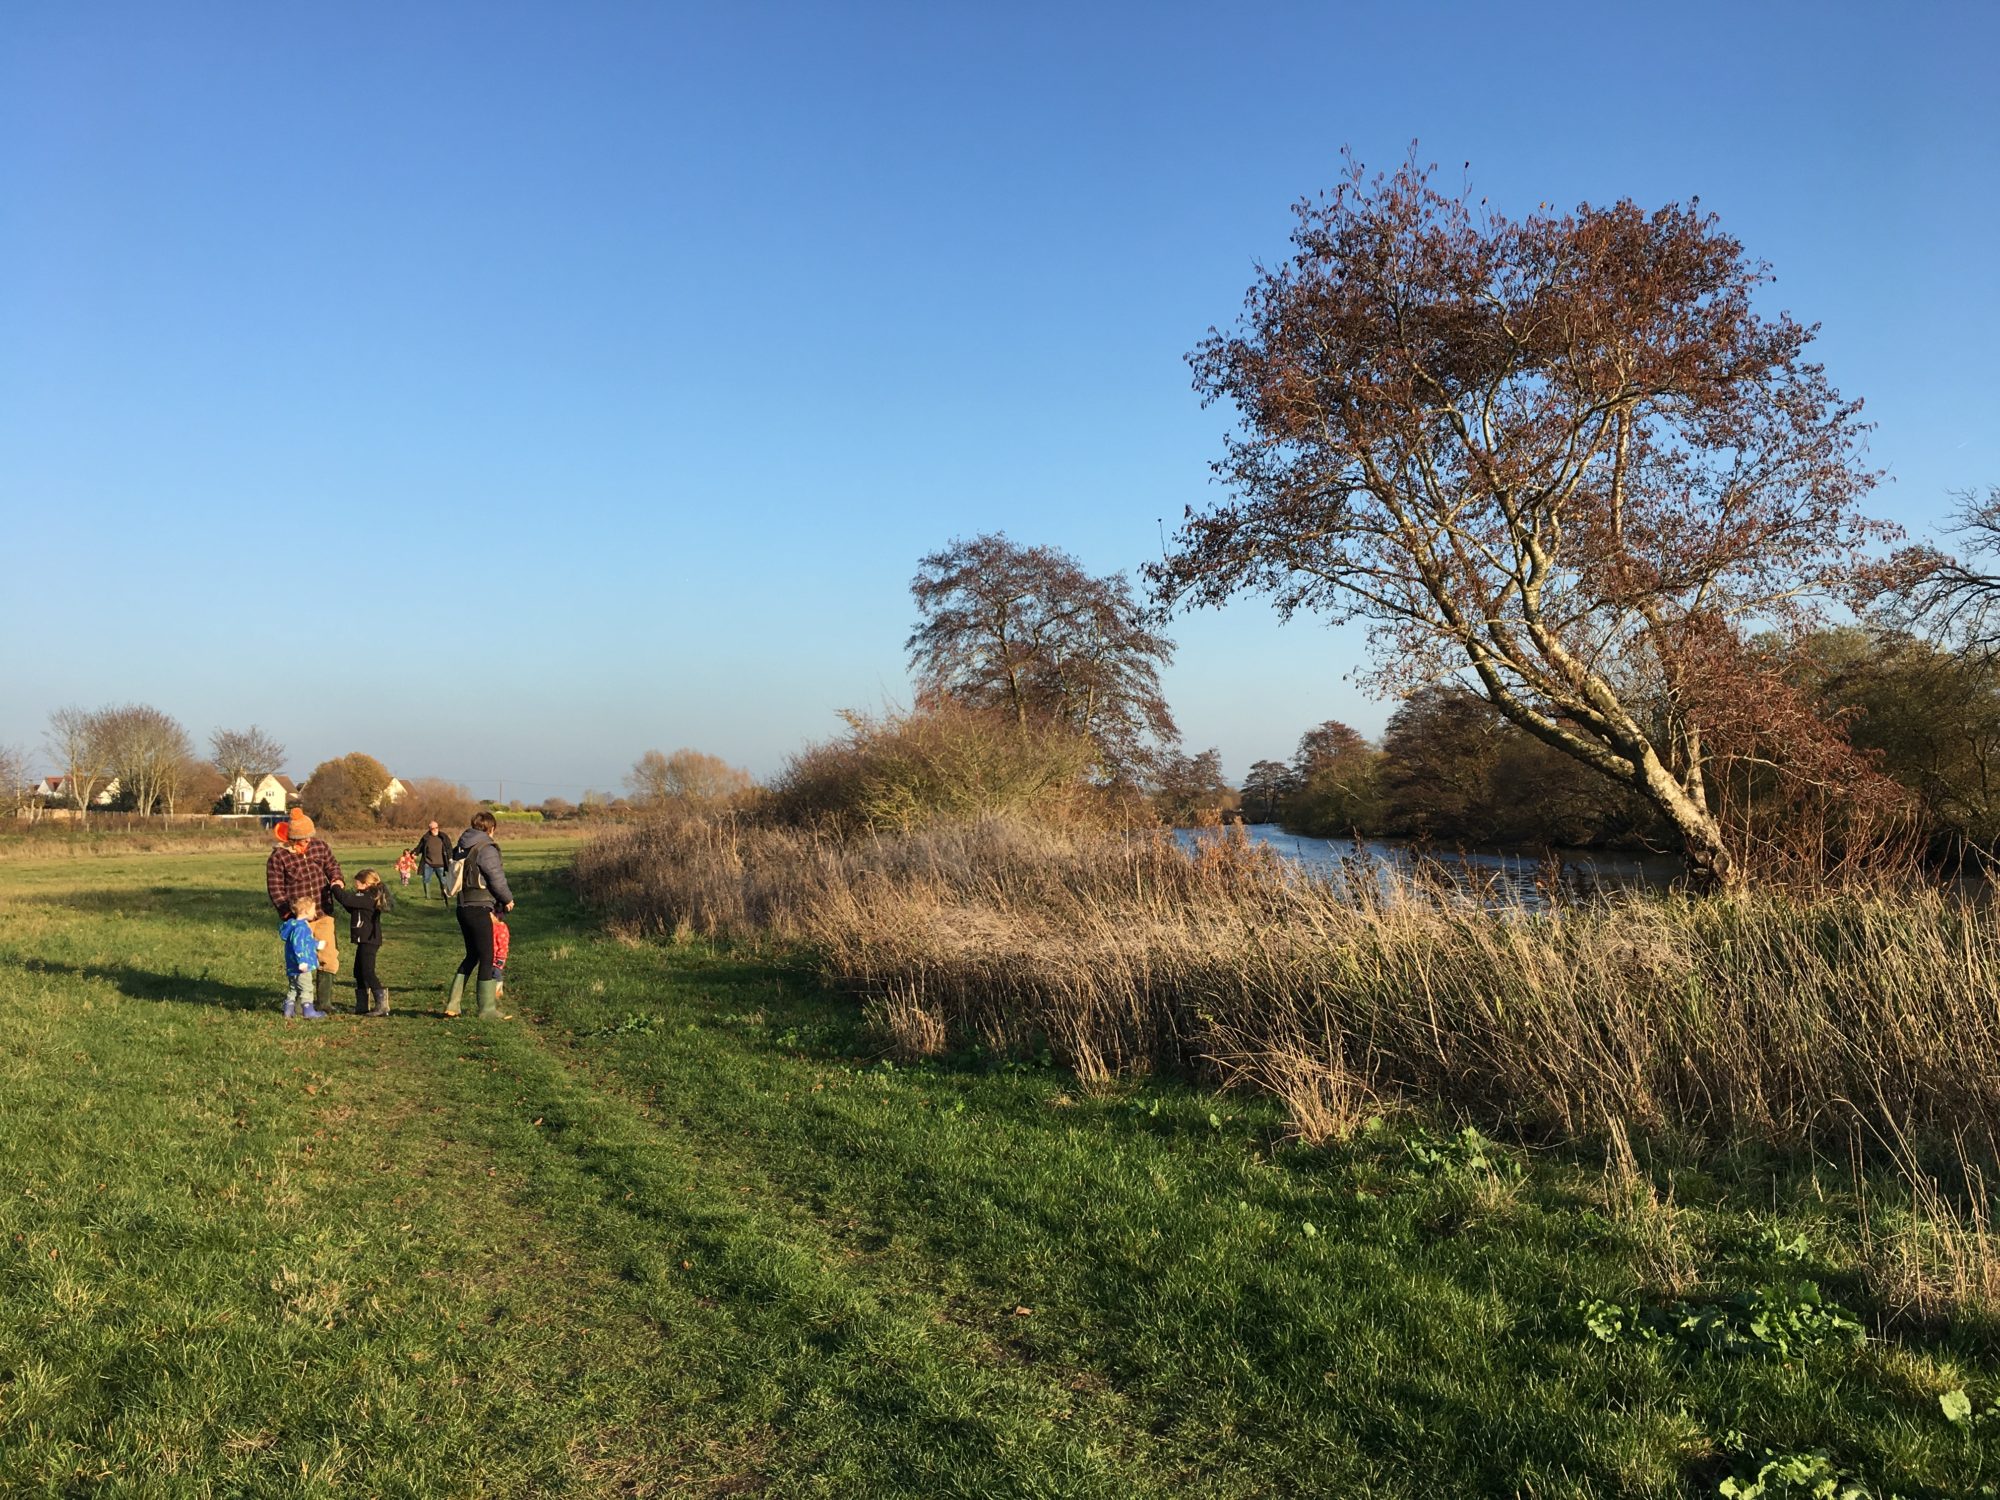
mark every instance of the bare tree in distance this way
{"type": "Point", "coordinates": [1026, 630]}
{"type": "Point", "coordinates": [247, 755]}
{"type": "Point", "coordinates": [1562, 456]}
{"type": "Point", "coordinates": [433, 797]}
{"type": "Point", "coordinates": [1265, 789]}
{"type": "Point", "coordinates": [1953, 597]}
{"type": "Point", "coordinates": [78, 740]}
{"type": "Point", "coordinates": [14, 781]}
{"type": "Point", "coordinates": [1188, 790]}
{"type": "Point", "coordinates": [687, 779]}
{"type": "Point", "coordinates": [147, 747]}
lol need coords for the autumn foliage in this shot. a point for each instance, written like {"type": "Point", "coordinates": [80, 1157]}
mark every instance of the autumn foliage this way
{"type": "Point", "coordinates": [1564, 455]}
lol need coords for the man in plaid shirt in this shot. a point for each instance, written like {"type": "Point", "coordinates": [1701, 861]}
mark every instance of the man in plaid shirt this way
{"type": "Point", "coordinates": [301, 866]}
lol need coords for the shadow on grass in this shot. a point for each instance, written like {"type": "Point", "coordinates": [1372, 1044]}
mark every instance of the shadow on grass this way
{"type": "Point", "coordinates": [178, 902]}
{"type": "Point", "coordinates": [202, 989]}
{"type": "Point", "coordinates": [179, 987]}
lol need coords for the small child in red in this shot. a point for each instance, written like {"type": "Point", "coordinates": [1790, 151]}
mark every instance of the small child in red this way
{"type": "Point", "coordinates": [500, 941]}
{"type": "Point", "coordinates": [406, 867]}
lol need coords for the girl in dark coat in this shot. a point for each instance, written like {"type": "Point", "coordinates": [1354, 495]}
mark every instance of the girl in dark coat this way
{"type": "Point", "coordinates": [365, 905]}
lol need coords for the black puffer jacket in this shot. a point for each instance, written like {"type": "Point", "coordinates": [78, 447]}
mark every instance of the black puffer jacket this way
{"type": "Point", "coordinates": [485, 883]}
{"type": "Point", "coordinates": [364, 917]}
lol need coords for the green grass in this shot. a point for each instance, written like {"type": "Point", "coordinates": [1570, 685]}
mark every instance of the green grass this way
{"type": "Point", "coordinates": [674, 1230]}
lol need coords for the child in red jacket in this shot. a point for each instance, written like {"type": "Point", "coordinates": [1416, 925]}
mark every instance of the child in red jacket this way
{"type": "Point", "coordinates": [501, 939]}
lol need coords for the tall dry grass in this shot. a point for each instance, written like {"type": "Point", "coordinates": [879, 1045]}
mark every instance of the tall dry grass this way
{"type": "Point", "coordinates": [1779, 1018]}
{"type": "Point", "coordinates": [1846, 1023]}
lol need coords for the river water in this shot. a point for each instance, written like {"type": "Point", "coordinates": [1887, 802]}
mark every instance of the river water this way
{"type": "Point", "coordinates": [1493, 877]}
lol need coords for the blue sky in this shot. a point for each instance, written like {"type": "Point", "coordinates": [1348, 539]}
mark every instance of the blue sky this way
{"type": "Point", "coordinates": [507, 389]}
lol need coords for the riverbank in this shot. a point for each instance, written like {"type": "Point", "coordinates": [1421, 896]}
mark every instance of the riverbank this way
{"type": "Point", "coordinates": [1523, 876]}
{"type": "Point", "coordinates": [682, 1228]}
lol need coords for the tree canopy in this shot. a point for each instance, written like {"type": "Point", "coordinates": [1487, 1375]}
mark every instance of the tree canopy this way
{"type": "Point", "coordinates": [1563, 456]}
{"type": "Point", "coordinates": [345, 792]}
{"type": "Point", "coordinates": [688, 780]}
{"type": "Point", "coordinates": [1027, 631]}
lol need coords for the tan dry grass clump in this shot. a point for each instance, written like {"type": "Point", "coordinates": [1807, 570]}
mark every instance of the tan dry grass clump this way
{"type": "Point", "coordinates": [1776, 1018]}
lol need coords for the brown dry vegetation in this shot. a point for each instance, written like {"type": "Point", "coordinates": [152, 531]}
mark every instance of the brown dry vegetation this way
{"type": "Point", "coordinates": [1855, 1027]}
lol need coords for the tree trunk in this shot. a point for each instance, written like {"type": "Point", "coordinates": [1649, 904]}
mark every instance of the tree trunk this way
{"type": "Point", "coordinates": [1709, 858]}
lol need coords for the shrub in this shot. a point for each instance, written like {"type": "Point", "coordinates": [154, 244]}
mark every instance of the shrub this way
{"type": "Point", "coordinates": [345, 793]}
{"type": "Point", "coordinates": [940, 764]}
{"type": "Point", "coordinates": [430, 797]}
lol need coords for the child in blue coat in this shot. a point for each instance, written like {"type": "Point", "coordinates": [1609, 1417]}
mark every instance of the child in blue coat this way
{"type": "Point", "coordinates": [301, 959]}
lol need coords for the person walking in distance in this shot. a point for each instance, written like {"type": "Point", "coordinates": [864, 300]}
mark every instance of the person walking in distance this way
{"type": "Point", "coordinates": [432, 849]}
{"type": "Point", "coordinates": [482, 890]}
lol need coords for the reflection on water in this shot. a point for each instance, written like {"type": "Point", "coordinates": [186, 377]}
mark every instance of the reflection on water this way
{"type": "Point", "coordinates": [1493, 878]}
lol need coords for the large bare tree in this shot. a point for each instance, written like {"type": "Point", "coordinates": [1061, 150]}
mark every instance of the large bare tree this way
{"type": "Point", "coordinates": [81, 745]}
{"type": "Point", "coordinates": [14, 782]}
{"type": "Point", "coordinates": [247, 755]}
{"type": "Point", "coordinates": [148, 750]}
{"type": "Point", "coordinates": [688, 780]}
{"type": "Point", "coordinates": [1562, 456]}
{"type": "Point", "coordinates": [1026, 630]}
{"type": "Point", "coordinates": [1954, 596]}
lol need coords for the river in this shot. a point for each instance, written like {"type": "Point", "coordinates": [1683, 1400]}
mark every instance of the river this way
{"type": "Point", "coordinates": [1496, 877]}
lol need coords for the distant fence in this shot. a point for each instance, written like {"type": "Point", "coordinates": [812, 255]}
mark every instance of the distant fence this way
{"type": "Point", "coordinates": [100, 818]}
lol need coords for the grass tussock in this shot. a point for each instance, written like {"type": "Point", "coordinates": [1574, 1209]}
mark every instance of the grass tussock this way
{"type": "Point", "coordinates": [1846, 1025]}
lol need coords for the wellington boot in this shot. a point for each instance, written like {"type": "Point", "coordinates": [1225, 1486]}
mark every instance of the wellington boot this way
{"type": "Point", "coordinates": [323, 990]}
{"type": "Point", "coordinates": [489, 1001]}
{"type": "Point", "coordinates": [381, 1005]}
{"type": "Point", "coordinates": [451, 1006]}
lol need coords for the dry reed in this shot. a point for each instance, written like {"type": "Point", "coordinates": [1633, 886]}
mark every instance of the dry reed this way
{"type": "Point", "coordinates": [1798, 1022]}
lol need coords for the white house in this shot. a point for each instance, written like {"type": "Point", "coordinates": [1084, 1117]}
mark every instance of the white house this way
{"type": "Point", "coordinates": [57, 789]}
{"type": "Point", "coordinates": [269, 794]}
{"type": "Point", "coordinates": [391, 794]}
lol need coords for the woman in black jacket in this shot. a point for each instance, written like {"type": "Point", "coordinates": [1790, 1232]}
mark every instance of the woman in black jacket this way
{"type": "Point", "coordinates": [482, 887]}
{"type": "Point", "coordinates": [365, 905]}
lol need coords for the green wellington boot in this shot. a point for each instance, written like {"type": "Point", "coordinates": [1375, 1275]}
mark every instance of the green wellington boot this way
{"type": "Point", "coordinates": [457, 995]}
{"type": "Point", "coordinates": [489, 1000]}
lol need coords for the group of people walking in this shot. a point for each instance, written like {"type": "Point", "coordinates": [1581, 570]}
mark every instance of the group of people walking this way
{"type": "Point", "coordinates": [304, 882]}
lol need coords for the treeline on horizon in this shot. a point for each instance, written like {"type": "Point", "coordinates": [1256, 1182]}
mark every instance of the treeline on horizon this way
{"type": "Point", "coordinates": [1451, 769]}
{"type": "Point", "coordinates": [1071, 726]}
{"type": "Point", "coordinates": [138, 760]}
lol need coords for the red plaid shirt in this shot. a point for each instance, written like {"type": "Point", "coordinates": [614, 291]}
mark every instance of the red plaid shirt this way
{"type": "Point", "coordinates": [290, 877]}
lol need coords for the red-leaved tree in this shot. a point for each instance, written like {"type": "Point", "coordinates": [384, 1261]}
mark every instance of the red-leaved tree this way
{"type": "Point", "coordinates": [1562, 456]}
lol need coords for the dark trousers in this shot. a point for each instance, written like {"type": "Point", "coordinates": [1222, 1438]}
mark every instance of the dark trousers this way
{"type": "Point", "coordinates": [366, 985]}
{"type": "Point", "coordinates": [476, 923]}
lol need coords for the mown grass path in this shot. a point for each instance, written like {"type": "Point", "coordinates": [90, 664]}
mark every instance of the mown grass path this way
{"type": "Point", "coordinates": [672, 1231]}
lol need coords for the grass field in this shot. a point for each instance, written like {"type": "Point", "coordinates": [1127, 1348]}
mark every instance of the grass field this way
{"type": "Point", "coordinates": [676, 1231]}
